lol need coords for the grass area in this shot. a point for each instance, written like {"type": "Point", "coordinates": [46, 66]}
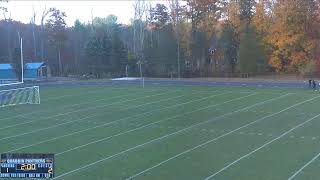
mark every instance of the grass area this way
{"type": "Point", "coordinates": [169, 132]}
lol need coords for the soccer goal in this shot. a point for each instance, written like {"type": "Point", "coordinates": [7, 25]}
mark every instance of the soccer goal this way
{"type": "Point", "coordinates": [18, 96]}
{"type": "Point", "coordinates": [13, 91]}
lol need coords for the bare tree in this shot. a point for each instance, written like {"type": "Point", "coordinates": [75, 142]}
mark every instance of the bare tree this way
{"type": "Point", "coordinates": [57, 32]}
{"type": "Point", "coordinates": [140, 8]}
{"type": "Point", "coordinates": [45, 13]}
{"type": "Point", "coordinates": [92, 27]}
{"type": "Point", "coordinates": [8, 20]}
{"type": "Point", "coordinates": [33, 27]}
{"type": "Point", "coordinates": [176, 19]}
{"type": "Point", "coordinates": [2, 8]}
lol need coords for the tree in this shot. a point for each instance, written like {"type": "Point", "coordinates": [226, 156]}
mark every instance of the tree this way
{"type": "Point", "coordinates": [262, 21]}
{"type": "Point", "coordinates": [105, 51]}
{"type": "Point", "coordinates": [140, 8]}
{"type": "Point", "coordinates": [97, 50]}
{"type": "Point", "coordinates": [286, 33]}
{"type": "Point", "coordinates": [200, 12]}
{"type": "Point", "coordinates": [161, 52]}
{"type": "Point", "coordinates": [232, 13]}
{"type": "Point", "coordinates": [246, 9]}
{"type": "Point", "coordinates": [308, 69]}
{"type": "Point", "coordinates": [45, 13]}
{"type": "Point", "coordinates": [228, 43]}
{"type": "Point", "coordinates": [78, 36]}
{"type": "Point", "coordinates": [198, 9]}
{"type": "Point", "coordinates": [56, 28]}
{"type": "Point", "coordinates": [159, 15]}
{"type": "Point", "coordinates": [293, 35]}
{"type": "Point", "coordinates": [8, 21]}
{"type": "Point", "coordinates": [33, 27]}
{"type": "Point", "coordinates": [176, 14]}
{"type": "Point", "coordinates": [119, 53]}
{"type": "Point", "coordinates": [250, 53]}
{"type": "Point", "coordinates": [2, 7]}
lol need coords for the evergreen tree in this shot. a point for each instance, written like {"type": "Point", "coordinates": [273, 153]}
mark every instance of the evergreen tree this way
{"type": "Point", "coordinates": [250, 54]}
{"type": "Point", "coordinates": [228, 43]}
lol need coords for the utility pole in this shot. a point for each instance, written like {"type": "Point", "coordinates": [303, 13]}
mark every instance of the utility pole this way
{"type": "Point", "coordinates": [22, 67]}
{"type": "Point", "coordinates": [178, 35]}
{"type": "Point", "coordinates": [127, 68]}
{"type": "Point", "coordinates": [141, 74]}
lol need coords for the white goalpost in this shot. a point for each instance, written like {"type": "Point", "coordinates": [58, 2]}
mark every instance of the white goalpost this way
{"type": "Point", "coordinates": [15, 93]}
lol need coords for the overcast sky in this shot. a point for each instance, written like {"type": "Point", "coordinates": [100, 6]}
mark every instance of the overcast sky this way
{"type": "Point", "coordinates": [22, 10]}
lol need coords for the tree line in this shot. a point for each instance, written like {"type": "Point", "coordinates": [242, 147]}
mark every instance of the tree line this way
{"type": "Point", "coordinates": [188, 38]}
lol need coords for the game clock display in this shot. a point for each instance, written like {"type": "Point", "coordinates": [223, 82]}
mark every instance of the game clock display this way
{"type": "Point", "coordinates": [27, 165]}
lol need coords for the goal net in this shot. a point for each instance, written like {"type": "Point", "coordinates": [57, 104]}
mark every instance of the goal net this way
{"type": "Point", "coordinates": [17, 96]}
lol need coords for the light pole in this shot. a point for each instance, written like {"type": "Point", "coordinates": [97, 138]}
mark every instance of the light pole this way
{"type": "Point", "coordinates": [140, 68]}
{"type": "Point", "coordinates": [127, 67]}
{"type": "Point", "coordinates": [22, 67]}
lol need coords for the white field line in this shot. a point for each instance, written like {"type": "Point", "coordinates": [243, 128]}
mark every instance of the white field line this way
{"type": "Point", "coordinates": [116, 121]}
{"type": "Point", "coordinates": [87, 91]}
{"type": "Point", "coordinates": [263, 146]}
{"type": "Point", "coordinates": [156, 139]}
{"type": "Point", "coordinates": [227, 84]}
{"type": "Point", "coordinates": [241, 92]}
{"type": "Point", "coordinates": [77, 120]}
{"type": "Point", "coordinates": [203, 144]}
{"type": "Point", "coordinates": [217, 88]}
{"type": "Point", "coordinates": [128, 131]}
{"type": "Point", "coordinates": [97, 100]}
{"type": "Point", "coordinates": [141, 127]}
{"type": "Point", "coordinates": [61, 107]}
{"type": "Point", "coordinates": [304, 166]}
{"type": "Point", "coordinates": [79, 110]}
{"type": "Point", "coordinates": [73, 105]}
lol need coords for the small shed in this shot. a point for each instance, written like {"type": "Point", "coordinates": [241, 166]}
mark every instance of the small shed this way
{"type": "Point", "coordinates": [7, 72]}
{"type": "Point", "coordinates": [35, 70]}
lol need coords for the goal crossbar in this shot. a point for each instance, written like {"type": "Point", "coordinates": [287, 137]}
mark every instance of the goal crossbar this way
{"type": "Point", "coordinates": [9, 84]}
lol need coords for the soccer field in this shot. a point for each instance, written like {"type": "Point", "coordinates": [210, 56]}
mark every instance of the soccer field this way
{"type": "Point", "coordinates": [170, 132]}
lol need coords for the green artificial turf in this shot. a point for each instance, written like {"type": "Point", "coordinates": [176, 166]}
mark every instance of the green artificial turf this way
{"type": "Point", "coordinates": [169, 132]}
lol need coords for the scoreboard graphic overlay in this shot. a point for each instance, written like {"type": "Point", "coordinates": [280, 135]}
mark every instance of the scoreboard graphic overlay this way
{"type": "Point", "coordinates": [15, 165]}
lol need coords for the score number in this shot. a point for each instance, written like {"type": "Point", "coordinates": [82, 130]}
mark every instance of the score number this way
{"type": "Point", "coordinates": [27, 167]}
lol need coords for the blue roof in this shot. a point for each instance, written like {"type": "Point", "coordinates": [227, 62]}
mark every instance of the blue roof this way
{"type": "Point", "coordinates": [5, 66]}
{"type": "Point", "coordinates": [33, 65]}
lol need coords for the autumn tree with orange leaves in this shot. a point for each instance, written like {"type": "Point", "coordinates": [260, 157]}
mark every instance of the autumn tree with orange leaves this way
{"type": "Point", "coordinates": [293, 36]}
